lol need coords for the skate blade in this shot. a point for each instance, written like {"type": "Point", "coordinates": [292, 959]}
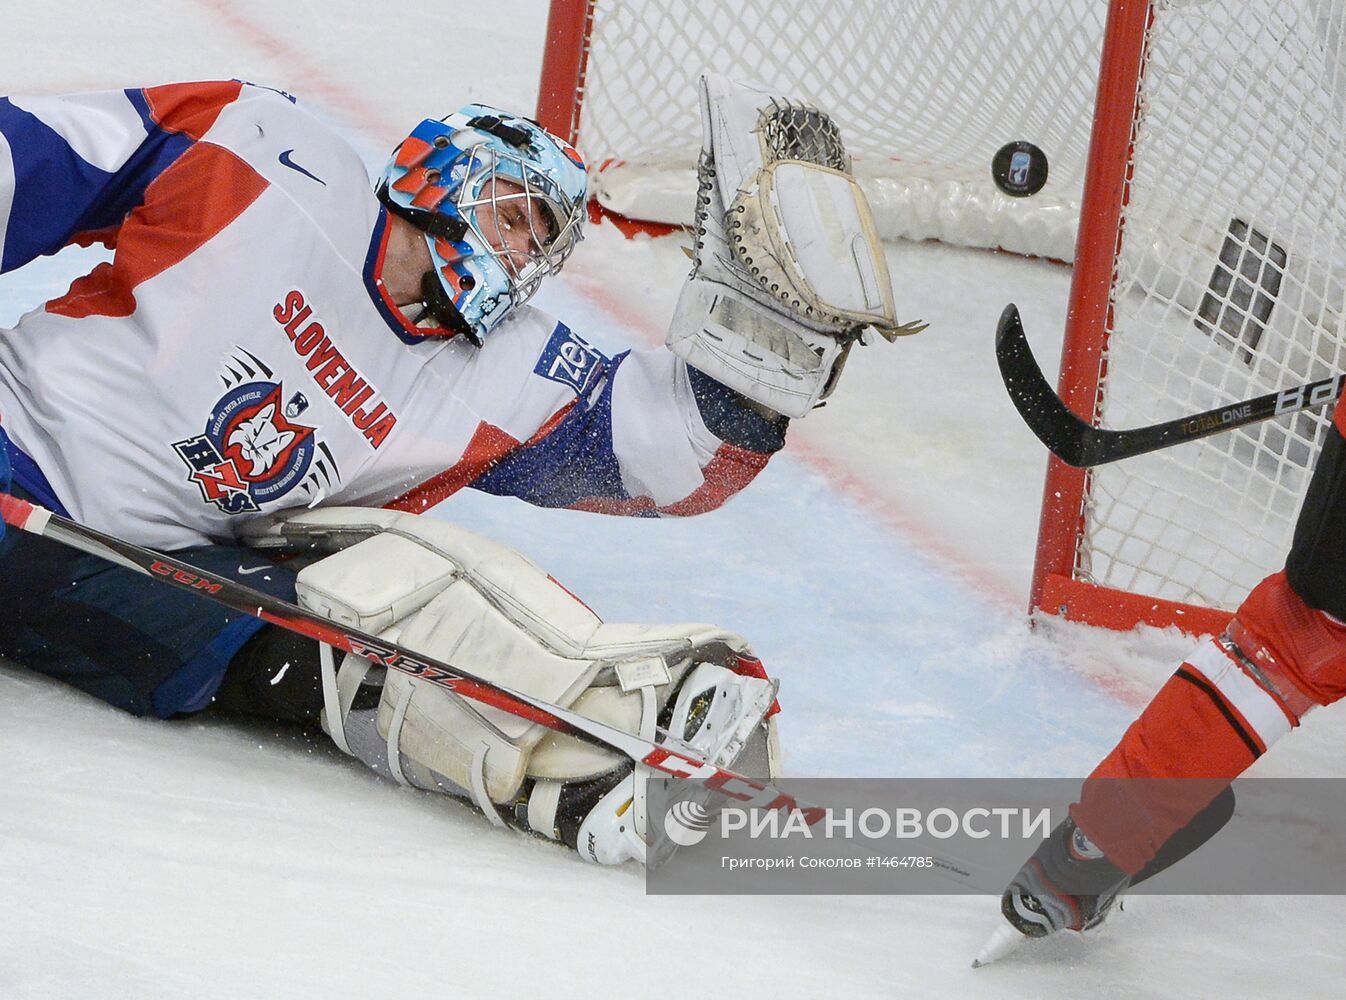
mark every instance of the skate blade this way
{"type": "Point", "coordinates": [1004, 940]}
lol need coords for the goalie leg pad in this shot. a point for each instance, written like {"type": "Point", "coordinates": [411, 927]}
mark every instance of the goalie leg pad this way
{"type": "Point", "coordinates": [471, 602]}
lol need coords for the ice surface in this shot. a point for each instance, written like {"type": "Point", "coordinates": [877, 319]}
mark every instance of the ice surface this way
{"type": "Point", "coordinates": [880, 567]}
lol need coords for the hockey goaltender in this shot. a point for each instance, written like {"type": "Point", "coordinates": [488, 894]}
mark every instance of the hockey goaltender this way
{"type": "Point", "coordinates": [281, 368]}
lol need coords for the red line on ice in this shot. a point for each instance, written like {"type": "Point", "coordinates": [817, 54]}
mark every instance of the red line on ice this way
{"type": "Point", "coordinates": [305, 75]}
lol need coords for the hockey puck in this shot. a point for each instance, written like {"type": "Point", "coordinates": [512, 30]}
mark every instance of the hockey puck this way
{"type": "Point", "coordinates": [1019, 169]}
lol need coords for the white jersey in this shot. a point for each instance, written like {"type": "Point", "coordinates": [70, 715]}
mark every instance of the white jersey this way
{"type": "Point", "coordinates": [239, 354]}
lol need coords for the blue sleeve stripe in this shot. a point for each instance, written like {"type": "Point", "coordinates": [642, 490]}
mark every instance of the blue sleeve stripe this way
{"type": "Point", "coordinates": [127, 188]}
{"type": "Point", "coordinates": [46, 170]}
{"type": "Point", "coordinates": [729, 418]}
{"type": "Point", "coordinates": [142, 105]}
{"type": "Point", "coordinates": [25, 473]}
{"type": "Point", "coordinates": [575, 462]}
{"type": "Point", "coordinates": [57, 193]}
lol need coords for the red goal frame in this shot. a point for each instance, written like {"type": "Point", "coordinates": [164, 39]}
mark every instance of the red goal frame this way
{"type": "Point", "coordinates": [1119, 102]}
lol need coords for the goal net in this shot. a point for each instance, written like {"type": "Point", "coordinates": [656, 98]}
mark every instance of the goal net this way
{"type": "Point", "coordinates": [1196, 184]}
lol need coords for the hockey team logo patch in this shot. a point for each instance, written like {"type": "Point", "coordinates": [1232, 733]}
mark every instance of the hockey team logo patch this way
{"type": "Point", "coordinates": [252, 451]}
{"type": "Point", "coordinates": [569, 359]}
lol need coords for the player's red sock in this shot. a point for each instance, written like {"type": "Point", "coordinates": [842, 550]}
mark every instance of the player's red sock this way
{"type": "Point", "coordinates": [1233, 697]}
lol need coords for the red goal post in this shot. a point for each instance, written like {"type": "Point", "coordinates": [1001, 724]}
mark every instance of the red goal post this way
{"type": "Point", "coordinates": [1198, 187]}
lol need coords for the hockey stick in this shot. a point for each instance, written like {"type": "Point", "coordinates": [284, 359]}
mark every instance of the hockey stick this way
{"type": "Point", "coordinates": [40, 521]}
{"type": "Point", "coordinates": [1077, 443]}
{"type": "Point", "coordinates": [664, 759]}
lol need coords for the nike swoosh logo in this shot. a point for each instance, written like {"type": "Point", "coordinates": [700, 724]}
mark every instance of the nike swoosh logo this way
{"type": "Point", "coordinates": [249, 572]}
{"type": "Point", "coordinates": [285, 161]}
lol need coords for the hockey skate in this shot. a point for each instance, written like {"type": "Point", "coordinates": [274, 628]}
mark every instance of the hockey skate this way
{"type": "Point", "coordinates": [1068, 884]}
{"type": "Point", "coordinates": [717, 714]}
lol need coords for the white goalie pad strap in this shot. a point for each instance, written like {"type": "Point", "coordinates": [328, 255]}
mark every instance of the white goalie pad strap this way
{"type": "Point", "coordinates": [333, 718]}
{"type": "Point", "coordinates": [639, 803]}
{"type": "Point", "coordinates": [339, 689]}
{"type": "Point", "coordinates": [543, 804]}
{"type": "Point", "coordinates": [394, 731]}
{"type": "Point", "coordinates": [479, 793]}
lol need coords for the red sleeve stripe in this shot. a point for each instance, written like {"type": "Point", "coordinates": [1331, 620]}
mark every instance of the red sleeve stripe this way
{"type": "Point", "coordinates": [729, 470]}
{"type": "Point", "coordinates": [190, 108]}
{"type": "Point", "coordinates": [184, 208]}
{"type": "Point", "coordinates": [488, 445]}
{"type": "Point", "coordinates": [633, 507]}
{"type": "Point", "coordinates": [552, 423]}
{"type": "Point", "coordinates": [107, 237]}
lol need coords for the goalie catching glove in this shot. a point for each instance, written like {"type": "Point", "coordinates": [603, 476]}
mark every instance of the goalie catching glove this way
{"type": "Point", "coordinates": [789, 275]}
{"type": "Point", "coordinates": [455, 596]}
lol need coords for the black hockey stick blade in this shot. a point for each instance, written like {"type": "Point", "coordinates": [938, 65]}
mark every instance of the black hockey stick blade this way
{"type": "Point", "coordinates": [1039, 405]}
{"type": "Point", "coordinates": [1082, 445]}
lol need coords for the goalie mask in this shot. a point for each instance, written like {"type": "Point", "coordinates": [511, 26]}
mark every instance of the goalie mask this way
{"type": "Point", "coordinates": [501, 203]}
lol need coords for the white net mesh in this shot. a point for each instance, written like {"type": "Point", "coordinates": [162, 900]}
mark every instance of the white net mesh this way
{"type": "Point", "coordinates": [925, 91]}
{"type": "Point", "coordinates": [1239, 158]}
